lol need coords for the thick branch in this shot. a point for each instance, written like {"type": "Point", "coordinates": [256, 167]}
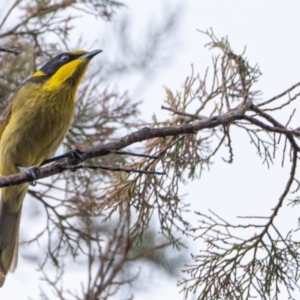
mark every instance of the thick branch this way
{"type": "Point", "coordinates": [147, 133]}
{"type": "Point", "coordinates": [138, 136]}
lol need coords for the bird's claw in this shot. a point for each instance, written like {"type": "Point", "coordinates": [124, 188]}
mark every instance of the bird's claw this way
{"type": "Point", "coordinates": [74, 158]}
{"type": "Point", "coordinates": [32, 173]}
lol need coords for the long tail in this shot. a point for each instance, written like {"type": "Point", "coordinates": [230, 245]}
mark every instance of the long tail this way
{"type": "Point", "coordinates": [10, 214]}
{"type": "Point", "coordinates": [9, 240]}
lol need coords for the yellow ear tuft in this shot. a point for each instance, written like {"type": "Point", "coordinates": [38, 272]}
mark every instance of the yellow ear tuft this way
{"type": "Point", "coordinates": [38, 74]}
{"type": "Point", "coordinates": [66, 71]}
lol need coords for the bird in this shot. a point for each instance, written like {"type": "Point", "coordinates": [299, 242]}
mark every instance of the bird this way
{"type": "Point", "coordinates": [33, 126]}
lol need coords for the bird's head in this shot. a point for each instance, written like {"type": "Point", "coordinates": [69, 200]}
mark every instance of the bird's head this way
{"type": "Point", "coordinates": [65, 68]}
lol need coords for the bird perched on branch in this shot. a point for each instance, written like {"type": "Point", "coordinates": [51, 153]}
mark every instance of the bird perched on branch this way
{"type": "Point", "coordinates": [34, 124]}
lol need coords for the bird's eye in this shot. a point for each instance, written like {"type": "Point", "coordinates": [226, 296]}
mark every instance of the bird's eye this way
{"type": "Point", "coordinates": [64, 58]}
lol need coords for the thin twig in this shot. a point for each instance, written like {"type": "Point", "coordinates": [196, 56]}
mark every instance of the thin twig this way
{"type": "Point", "coordinates": [96, 167]}
{"type": "Point", "coordinates": [280, 95]}
{"type": "Point", "coordinates": [10, 50]}
{"type": "Point", "coordinates": [135, 154]}
{"type": "Point", "coordinates": [176, 112]}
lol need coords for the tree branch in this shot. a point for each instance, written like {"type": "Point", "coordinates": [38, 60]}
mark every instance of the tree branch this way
{"type": "Point", "coordinates": [147, 133]}
{"type": "Point", "coordinates": [143, 134]}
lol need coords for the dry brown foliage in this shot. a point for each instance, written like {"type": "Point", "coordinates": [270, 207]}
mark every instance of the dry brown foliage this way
{"type": "Point", "coordinates": [100, 218]}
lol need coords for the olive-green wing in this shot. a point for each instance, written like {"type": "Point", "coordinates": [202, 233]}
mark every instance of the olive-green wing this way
{"type": "Point", "coordinates": [6, 118]}
{"type": "Point", "coordinates": [19, 95]}
{"type": "Point", "coordinates": [21, 92]}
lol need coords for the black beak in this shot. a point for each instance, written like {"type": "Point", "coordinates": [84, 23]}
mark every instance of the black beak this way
{"type": "Point", "coordinates": [90, 55]}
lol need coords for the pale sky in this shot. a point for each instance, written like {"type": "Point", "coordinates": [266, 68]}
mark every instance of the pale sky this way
{"type": "Point", "coordinates": [271, 32]}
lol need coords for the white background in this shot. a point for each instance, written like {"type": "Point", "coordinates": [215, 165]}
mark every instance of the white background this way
{"type": "Point", "coordinates": [271, 32]}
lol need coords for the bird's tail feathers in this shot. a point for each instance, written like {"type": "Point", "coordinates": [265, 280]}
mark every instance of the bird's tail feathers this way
{"type": "Point", "coordinates": [9, 240]}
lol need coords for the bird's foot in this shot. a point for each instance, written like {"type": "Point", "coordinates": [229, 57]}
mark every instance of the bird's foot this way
{"type": "Point", "coordinates": [32, 173]}
{"type": "Point", "coordinates": [74, 158]}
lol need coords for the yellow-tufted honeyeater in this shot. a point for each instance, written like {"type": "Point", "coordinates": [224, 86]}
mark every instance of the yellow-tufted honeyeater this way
{"type": "Point", "coordinates": [34, 124]}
